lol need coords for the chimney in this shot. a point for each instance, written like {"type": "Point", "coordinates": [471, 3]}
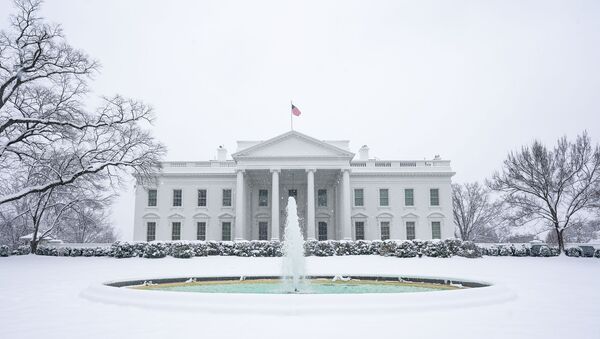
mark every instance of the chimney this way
{"type": "Point", "coordinates": [363, 153]}
{"type": "Point", "coordinates": [221, 153]}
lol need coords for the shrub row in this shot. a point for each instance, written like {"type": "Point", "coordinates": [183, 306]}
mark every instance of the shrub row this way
{"type": "Point", "coordinates": [389, 248]}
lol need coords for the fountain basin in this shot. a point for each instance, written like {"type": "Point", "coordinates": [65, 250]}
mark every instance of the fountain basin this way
{"type": "Point", "coordinates": [311, 285]}
{"type": "Point", "coordinates": [445, 293]}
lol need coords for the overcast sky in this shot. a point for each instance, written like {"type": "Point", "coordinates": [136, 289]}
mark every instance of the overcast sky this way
{"type": "Point", "coordinates": [469, 80]}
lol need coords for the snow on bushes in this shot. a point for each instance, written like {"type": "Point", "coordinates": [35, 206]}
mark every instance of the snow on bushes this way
{"type": "Point", "coordinates": [155, 250]}
{"type": "Point", "coordinates": [257, 248]}
{"type": "Point", "coordinates": [436, 249]}
{"type": "Point", "coordinates": [182, 250]}
{"type": "Point", "coordinates": [406, 249]}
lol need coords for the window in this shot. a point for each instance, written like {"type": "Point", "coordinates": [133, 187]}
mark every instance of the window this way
{"type": "Point", "coordinates": [152, 198]}
{"type": "Point", "coordinates": [263, 198]}
{"type": "Point", "coordinates": [227, 198]}
{"type": "Point", "coordinates": [151, 231]}
{"type": "Point", "coordinates": [263, 230]}
{"type": "Point", "coordinates": [409, 197]}
{"type": "Point", "coordinates": [385, 230]}
{"type": "Point", "coordinates": [176, 230]}
{"type": "Point", "coordinates": [434, 197]}
{"type": "Point", "coordinates": [359, 230]}
{"type": "Point", "coordinates": [177, 197]}
{"type": "Point", "coordinates": [436, 232]}
{"type": "Point", "coordinates": [322, 198]}
{"type": "Point", "coordinates": [322, 230]}
{"type": "Point", "coordinates": [410, 230]}
{"type": "Point", "coordinates": [226, 231]}
{"type": "Point", "coordinates": [202, 198]}
{"type": "Point", "coordinates": [293, 193]}
{"type": "Point", "coordinates": [359, 197]}
{"type": "Point", "coordinates": [384, 197]}
{"type": "Point", "coordinates": [201, 230]}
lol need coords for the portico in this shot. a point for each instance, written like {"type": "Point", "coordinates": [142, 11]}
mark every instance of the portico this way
{"type": "Point", "coordinates": [318, 193]}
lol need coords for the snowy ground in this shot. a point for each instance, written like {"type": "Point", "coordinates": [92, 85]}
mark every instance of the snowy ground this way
{"type": "Point", "coordinates": [556, 298]}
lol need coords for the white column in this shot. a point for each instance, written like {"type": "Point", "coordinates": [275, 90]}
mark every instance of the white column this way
{"type": "Point", "coordinates": [275, 205]}
{"type": "Point", "coordinates": [240, 216]}
{"type": "Point", "coordinates": [310, 200]}
{"type": "Point", "coordinates": [346, 220]}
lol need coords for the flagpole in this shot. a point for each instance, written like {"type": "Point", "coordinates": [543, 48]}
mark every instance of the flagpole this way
{"type": "Point", "coordinates": [291, 116]}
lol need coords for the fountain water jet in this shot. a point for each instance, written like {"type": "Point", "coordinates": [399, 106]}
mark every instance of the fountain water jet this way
{"type": "Point", "coordinates": [293, 250]}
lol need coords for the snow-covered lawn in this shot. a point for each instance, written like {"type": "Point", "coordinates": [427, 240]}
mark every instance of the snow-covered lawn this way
{"type": "Point", "coordinates": [556, 298]}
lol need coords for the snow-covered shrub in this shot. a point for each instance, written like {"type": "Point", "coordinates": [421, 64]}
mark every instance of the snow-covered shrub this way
{"type": "Point", "coordinates": [22, 250]}
{"type": "Point", "coordinates": [200, 249]}
{"type": "Point", "coordinates": [362, 247]}
{"type": "Point", "coordinates": [454, 245]}
{"type": "Point", "coordinates": [274, 249]}
{"type": "Point", "coordinates": [101, 251]}
{"type": "Point", "coordinates": [597, 253]}
{"type": "Point", "coordinates": [436, 249]}
{"type": "Point", "coordinates": [227, 248]}
{"type": "Point", "coordinates": [4, 251]}
{"type": "Point", "coordinates": [420, 246]}
{"type": "Point", "coordinates": [121, 249]}
{"type": "Point", "coordinates": [87, 252]}
{"type": "Point", "coordinates": [554, 251]}
{"type": "Point", "coordinates": [545, 251]}
{"type": "Point", "coordinates": [255, 248]}
{"type": "Point", "coordinates": [325, 248]}
{"type": "Point", "coordinates": [505, 251]}
{"type": "Point", "coordinates": [309, 247]}
{"type": "Point", "coordinates": [75, 252]}
{"type": "Point", "coordinates": [388, 248]}
{"type": "Point", "coordinates": [406, 249]}
{"type": "Point", "coordinates": [375, 246]}
{"type": "Point", "coordinates": [155, 250]}
{"type": "Point", "coordinates": [181, 250]}
{"type": "Point", "coordinates": [469, 249]}
{"type": "Point", "coordinates": [63, 251]}
{"type": "Point", "coordinates": [492, 251]}
{"type": "Point", "coordinates": [574, 252]}
{"type": "Point", "coordinates": [344, 247]}
{"type": "Point", "coordinates": [521, 251]}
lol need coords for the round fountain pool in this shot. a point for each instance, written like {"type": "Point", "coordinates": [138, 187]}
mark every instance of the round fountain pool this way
{"type": "Point", "coordinates": [315, 285]}
{"type": "Point", "coordinates": [318, 294]}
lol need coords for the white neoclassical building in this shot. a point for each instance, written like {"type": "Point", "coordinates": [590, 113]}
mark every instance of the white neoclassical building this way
{"type": "Point", "coordinates": [339, 196]}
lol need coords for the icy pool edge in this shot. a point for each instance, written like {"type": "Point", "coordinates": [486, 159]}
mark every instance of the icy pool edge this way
{"type": "Point", "coordinates": [296, 304]}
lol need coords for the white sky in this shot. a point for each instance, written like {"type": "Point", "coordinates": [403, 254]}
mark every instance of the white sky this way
{"type": "Point", "coordinates": [469, 80]}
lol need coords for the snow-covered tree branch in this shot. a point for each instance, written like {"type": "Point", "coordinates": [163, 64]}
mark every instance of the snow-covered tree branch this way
{"type": "Point", "coordinates": [44, 125]}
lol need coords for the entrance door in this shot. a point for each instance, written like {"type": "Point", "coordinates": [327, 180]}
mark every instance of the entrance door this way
{"type": "Point", "coordinates": [322, 230]}
{"type": "Point", "coordinates": [263, 229]}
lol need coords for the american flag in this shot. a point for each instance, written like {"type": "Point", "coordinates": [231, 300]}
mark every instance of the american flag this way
{"type": "Point", "coordinates": [295, 110]}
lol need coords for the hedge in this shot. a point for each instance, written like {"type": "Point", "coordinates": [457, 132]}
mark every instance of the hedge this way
{"type": "Point", "coordinates": [255, 248]}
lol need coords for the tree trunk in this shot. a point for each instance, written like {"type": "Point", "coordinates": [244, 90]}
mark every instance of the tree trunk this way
{"type": "Point", "coordinates": [34, 245]}
{"type": "Point", "coordinates": [561, 244]}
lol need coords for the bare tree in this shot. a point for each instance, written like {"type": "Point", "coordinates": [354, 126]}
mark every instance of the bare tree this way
{"type": "Point", "coordinates": [53, 150]}
{"type": "Point", "coordinates": [45, 126]}
{"type": "Point", "coordinates": [475, 213]}
{"type": "Point", "coordinates": [550, 185]}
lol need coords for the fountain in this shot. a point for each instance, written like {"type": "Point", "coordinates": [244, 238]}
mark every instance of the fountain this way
{"type": "Point", "coordinates": [226, 291]}
{"type": "Point", "coordinates": [293, 251]}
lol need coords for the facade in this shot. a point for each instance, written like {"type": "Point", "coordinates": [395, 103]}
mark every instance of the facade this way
{"type": "Point", "coordinates": [339, 196]}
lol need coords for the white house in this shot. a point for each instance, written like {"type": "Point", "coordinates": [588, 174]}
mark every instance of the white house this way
{"type": "Point", "coordinates": [338, 197]}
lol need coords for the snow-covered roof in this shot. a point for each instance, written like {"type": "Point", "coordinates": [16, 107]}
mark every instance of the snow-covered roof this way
{"type": "Point", "coordinates": [30, 236]}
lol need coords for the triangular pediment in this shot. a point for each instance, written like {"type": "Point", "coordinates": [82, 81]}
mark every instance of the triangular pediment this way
{"type": "Point", "coordinates": [293, 144]}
